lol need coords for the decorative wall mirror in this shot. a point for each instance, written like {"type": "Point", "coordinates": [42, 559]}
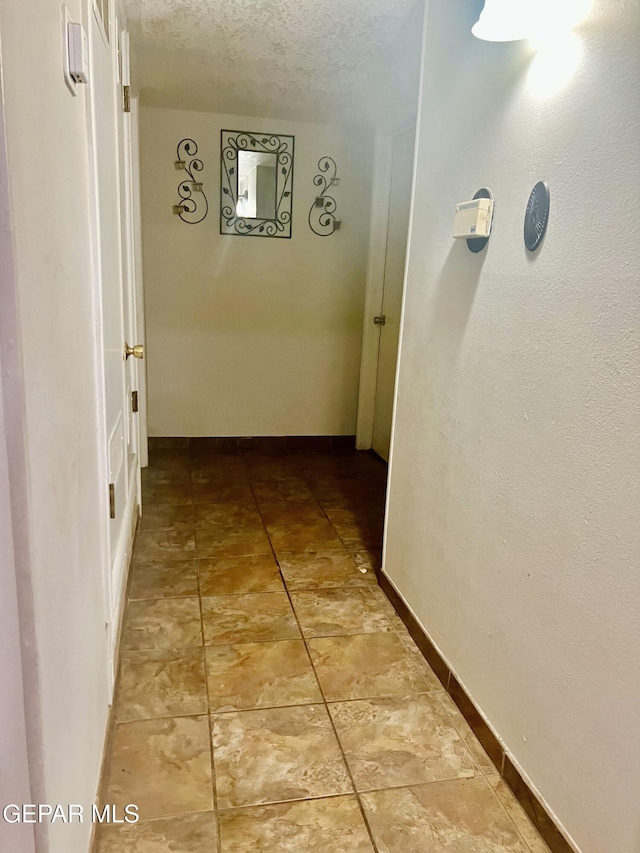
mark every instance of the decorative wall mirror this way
{"type": "Point", "coordinates": [256, 184]}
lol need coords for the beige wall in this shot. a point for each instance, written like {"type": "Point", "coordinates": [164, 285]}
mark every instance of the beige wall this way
{"type": "Point", "coordinates": [60, 544]}
{"type": "Point", "coordinates": [513, 528]}
{"type": "Point", "coordinates": [252, 336]}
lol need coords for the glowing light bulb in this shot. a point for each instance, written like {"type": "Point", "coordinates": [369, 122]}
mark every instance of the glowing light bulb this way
{"type": "Point", "coordinates": [554, 64]}
{"type": "Point", "coordinates": [554, 20]}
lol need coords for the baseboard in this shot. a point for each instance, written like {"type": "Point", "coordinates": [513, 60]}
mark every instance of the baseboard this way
{"type": "Point", "coordinates": [539, 816]}
{"type": "Point", "coordinates": [239, 444]}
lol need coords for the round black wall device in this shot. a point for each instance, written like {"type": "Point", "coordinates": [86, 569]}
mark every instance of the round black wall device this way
{"type": "Point", "coordinates": [536, 216]}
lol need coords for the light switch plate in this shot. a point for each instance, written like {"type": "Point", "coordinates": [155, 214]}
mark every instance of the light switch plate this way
{"type": "Point", "coordinates": [75, 53]}
{"type": "Point", "coordinates": [68, 79]}
{"type": "Point", "coordinates": [78, 53]}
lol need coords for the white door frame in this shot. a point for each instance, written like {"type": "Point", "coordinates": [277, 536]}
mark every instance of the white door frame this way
{"type": "Point", "coordinates": [374, 289]}
{"type": "Point", "coordinates": [138, 281]}
{"type": "Point", "coordinates": [102, 497]}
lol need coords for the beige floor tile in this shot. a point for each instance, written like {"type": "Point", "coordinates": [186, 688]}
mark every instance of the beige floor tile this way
{"type": "Point", "coordinates": [233, 575]}
{"type": "Point", "coordinates": [166, 464]}
{"type": "Point", "coordinates": [161, 684]}
{"type": "Point", "coordinates": [284, 488]}
{"type": "Point", "coordinates": [289, 512]}
{"type": "Point", "coordinates": [175, 541]}
{"type": "Point", "coordinates": [260, 675]}
{"type": "Point", "coordinates": [232, 513]}
{"type": "Point", "coordinates": [360, 516]}
{"type": "Point", "coordinates": [315, 535]}
{"type": "Point", "coordinates": [370, 560]}
{"type": "Point", "coordinates": [164, 580]}
{"type": "Point", "coordinates": [419, 660]}
{"type": "Point", "coordinates": [223, 490]}
{"type": "Point", "coordinates": [343, 493]}
{"type": "Point", "coordinates": [230, 529]}
{"type": "Point", "coordinates": [194, 833]}
{"type": "Point", "coordinates": [156, 516]}
{"type": "Point", "coordinates": [224, 466]}
{"type": "Point", "coordinates": [365, 665]}
{"type": "Point", "coordinates": [271, 466]}
{"type": "Point", "coordinates": [466, 733]}
{"type": "Point", "coordinates": [389, 610]}
{"type": "Point", "coordinates": [331, 612]}
{"type": "Point", "coordinates": [462, 816]}
{"type": "Point", "coordinates": [277, 754]}
{"type": "Point", "coordinates": [170, 490]}
{"type": "Point", "coordinates": [400, 741]}
{"type": "Point", "coordinates": [169, 623]}
{"type": "Point", "coordinates": [359, 529]}
{"type": "Point", "coordinates": [252, 618]}
{"type": "Point", "coordinates": [518, 815]}
{"type": "Point", "coordinates": [162, 766]}
{"type": "Point", "coordinates": [333, 825]}
{"type": "Point", "coordinates": [231, 540]}
{"type": "Point", "coordinates": [322, 570]}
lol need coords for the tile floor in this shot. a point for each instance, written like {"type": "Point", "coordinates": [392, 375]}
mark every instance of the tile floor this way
{"type": "Point", "coordinates": [269, 699]}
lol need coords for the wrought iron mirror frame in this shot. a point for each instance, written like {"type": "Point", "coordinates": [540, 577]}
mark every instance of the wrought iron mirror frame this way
{"type": "Point", "coordinates": [233, 141]}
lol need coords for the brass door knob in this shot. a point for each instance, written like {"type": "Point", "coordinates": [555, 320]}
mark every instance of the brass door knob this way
{"type": "Point", "coordinates": [137, 351]}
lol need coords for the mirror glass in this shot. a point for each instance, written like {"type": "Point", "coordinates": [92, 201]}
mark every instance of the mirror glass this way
{"type": "Point", "coordinates": [256, 185]}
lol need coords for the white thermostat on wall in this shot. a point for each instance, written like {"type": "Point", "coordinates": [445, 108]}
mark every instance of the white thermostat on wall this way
{"type": "Point", "coordinates": [473, 219]}
{"type": "Point", "coordinates": [76, 53]}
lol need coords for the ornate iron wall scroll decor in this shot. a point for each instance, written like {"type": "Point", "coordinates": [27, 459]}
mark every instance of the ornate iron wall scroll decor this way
{"type": "Point", "coordinates": [231, 204]}
{"type": "Point", "coordinates": [322, 218]}
{"type": "Point", "coordinates": [193, 206]}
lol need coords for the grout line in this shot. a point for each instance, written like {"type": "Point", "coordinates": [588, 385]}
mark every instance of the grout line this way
{"type": "Point", "coordinates": [509, 817]}
{"type": "Point", "coordinates": [145, 820]}
{"type": "Point", "coordinates": [460, 735]}
{"type": "Point", "coordinates": [335, 731]}
{"type": "Point", "coordinates": [209, 720]}
{"type": "Point", "coordinates": [355, 794]}
{"type": "Point", "coordinates": [324, 701]}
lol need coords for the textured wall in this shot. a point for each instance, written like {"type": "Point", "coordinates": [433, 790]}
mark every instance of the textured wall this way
{"type": "Point", "coordinates": [252, 336]}
{"type": "Point", "coordinates": [14, 768]}
{"type": "Point", "coordinates": [62, 622]}
{"type": "Point", "coordinates": [513, 524]}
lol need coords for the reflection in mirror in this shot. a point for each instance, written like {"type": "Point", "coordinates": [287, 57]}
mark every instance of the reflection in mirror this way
{"type": "Point", "coordinates": [256, 185]}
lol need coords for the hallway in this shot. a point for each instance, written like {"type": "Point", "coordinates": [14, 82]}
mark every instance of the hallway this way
{"type": "Point", "coordinates": [264, 676]}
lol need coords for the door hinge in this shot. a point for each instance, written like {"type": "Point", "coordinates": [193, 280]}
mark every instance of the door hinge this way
{"type": "Point", "coordinates": [112, 500]}
{"type": "Point", "coordinates": [126, 98]}
{"type": "Point", "coordinates": [134, 401]}
{"type": "Point", "coordinates": [380, 321]}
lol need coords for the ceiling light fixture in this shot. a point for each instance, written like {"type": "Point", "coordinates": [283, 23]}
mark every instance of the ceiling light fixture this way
{"type": "Point", "coordinates": [515, 20]}
{"type": "Point", "coordinates": [504, 20]}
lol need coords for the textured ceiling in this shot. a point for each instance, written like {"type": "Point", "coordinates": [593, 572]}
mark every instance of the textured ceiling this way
{"type": "Point", "coordinates": [296, 59]}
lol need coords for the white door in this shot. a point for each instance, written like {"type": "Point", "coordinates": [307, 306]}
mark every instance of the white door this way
{"type": "Point", "coordinates": [117, 321]}
{"type": "Point", "coordinates": [397, 235]}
